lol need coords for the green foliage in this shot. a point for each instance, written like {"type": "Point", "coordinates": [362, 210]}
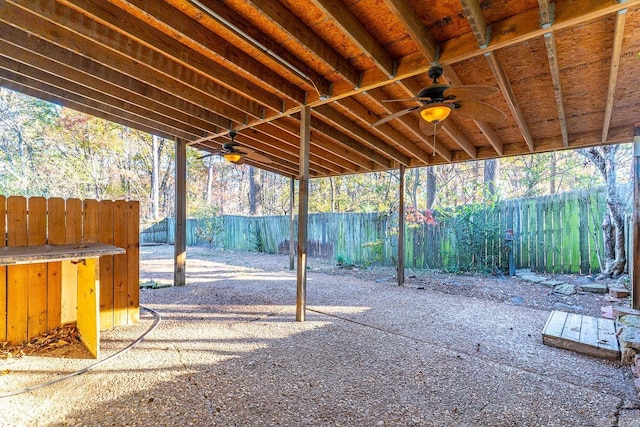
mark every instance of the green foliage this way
{"type": "Point", "coordinates": [377, 251]}
{"type": "Point", "coordinates": [472, 228]}
{"type": "Point", "coordinates": [255, 236]}
{"type": "Point", "coordinates": [210, 225]}
{"type": "Point", "coordinates": [344, 262]}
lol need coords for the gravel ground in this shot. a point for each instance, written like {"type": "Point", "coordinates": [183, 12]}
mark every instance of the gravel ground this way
{"type": "Point", "coordinates": [228, 352]}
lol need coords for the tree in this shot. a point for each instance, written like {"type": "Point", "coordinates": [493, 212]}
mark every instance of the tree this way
{"type": "Point", "coordinates": [615, 257]}
{"type": "Point", "coordinates": [255, 191]}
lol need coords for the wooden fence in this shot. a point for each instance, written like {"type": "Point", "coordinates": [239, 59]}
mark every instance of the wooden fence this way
{"type": "Point", "coordinates": [555, 234]}
{"type": "Point", "coordinates": [32, 297]}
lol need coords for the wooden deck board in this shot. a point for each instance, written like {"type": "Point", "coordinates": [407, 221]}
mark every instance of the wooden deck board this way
{"type": "Point", "coordinates": [583, 334]}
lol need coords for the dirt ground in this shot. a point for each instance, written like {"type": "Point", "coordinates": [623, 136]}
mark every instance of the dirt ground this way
{"type": "Point", "coordinates": [64, 341]}
{"type": "Point", "coordinates": [489, 287]}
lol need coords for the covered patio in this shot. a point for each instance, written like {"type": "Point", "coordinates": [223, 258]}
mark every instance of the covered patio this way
{"type": "Point", "coordinates": [228, 352]}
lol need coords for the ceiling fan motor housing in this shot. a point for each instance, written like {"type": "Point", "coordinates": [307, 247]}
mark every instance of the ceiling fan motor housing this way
{"type": "Point", "coordinates": [433, 92]}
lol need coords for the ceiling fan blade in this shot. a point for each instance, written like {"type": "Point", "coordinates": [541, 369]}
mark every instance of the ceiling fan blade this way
{"type": "Point", "coordinates": [470, 92]}
{"type": "Point", "coordinates": [429, 128]}
{"type": "Point", "coordinates": [394, 115]}
{"type": "Point", "coordinates": [415, 98]}
{"type": "Point", "coordinates": [211, 153]}
{"type": "Point", "coordinates": [478, 110]}
{"type": "Point", "coordinates": [258, 157]}
{"type": "Point", "coordinates": [239, 162]}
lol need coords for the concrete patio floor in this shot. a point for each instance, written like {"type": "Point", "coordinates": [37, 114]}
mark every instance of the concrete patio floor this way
{"type": "Point", "coordinates": [229, 352]}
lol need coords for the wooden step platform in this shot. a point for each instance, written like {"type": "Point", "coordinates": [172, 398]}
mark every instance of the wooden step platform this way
{"type": "Point", "coordinates": [588, 335]}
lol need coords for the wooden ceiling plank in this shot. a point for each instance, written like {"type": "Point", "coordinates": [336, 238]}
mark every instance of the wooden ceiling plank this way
{"type": "Point", "coordinates": [43, 60]}
{"type": "Point", "coordinates": [508, 32]}
{"type": "Point", "coordinates": [109, 15]}
{"type": "Point", "coordinates": [348, 142]}
{"type": "Point", "coordinates": [525, 26]}
{"type": "Point", "coordinates": [325, 144]}
{"type": "Point", "coordinates": [473, 12]}
{"type": "Point", "coordinates": [169, 20]}
{"type": "Point", "coordinates": [367, 138]}
{"type": "Point", "coordinates": [58, 86]}
{"type": "Point", "coordinates": [318, 154]}
{"type": "Point", "coordinates": [127, 57]}
{"type": "Point", "coordinates": [357, 33]}
{"type": "Point", "coordinates": [389, 132]}
{"type": "Point", "coordinates": [618, 35]}
{"type": "Point", "coordinates": [411, 22]}
{"type": "Point", "coordinates": [507, 92]}
{"type": "Point", "coordinates": [552, 54]}
{"type": "Point", "coordinates": [459, 139]}
{"type": "Point", "coordinates": [226, 18]}
{"type": "Point", "coordinates": [81, 108]}
{"type": "Point", "coordinates": [291, 24]}
{"type": "Point", "coordinates": [101, 78]}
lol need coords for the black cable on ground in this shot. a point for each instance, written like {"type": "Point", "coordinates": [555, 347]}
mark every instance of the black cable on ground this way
{"type": "Point", "coordinates": [95, 365]}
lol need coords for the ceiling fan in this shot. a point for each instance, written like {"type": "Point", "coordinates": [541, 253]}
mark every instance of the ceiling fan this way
{"type": "Point", "coordinates": [236, 153]}
{"type": "Point", "coordinates": [439, 100]}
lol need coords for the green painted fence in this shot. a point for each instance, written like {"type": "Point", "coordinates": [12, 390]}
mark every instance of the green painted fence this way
{"type": "Point", "coordinates": [555, 234]}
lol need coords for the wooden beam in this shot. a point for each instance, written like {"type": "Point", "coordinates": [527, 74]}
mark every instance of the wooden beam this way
{"type": "Point", "coordinates": [279, 15]}
{"type": "Point", "coordinates": [292, 245]}
{"type": "Point", "coordinates": [546, 13]}
{"type": "Point", "coordinates": [460, 139]}
{"type": "Point", "coordinates": [507, 92]}
{"type": "Point", "coordinates": [412, 23]}
{"type": "Point", "coordinates": [303, 212]}
{"type": "Point", "coordinates": [552, 54]}
{"type": "Point", "coordinates": [340, 14]}
{"type": "Point", "coordinates": [131, 59]}
{"type": "Point", "coordinates": [401, 215]}
{"type": "Point", "coordinates": [473, 12]}
{"type": "Point", "coordinates": [112, 17]}
{"type": "Point", "coordinates": [367, 138]}
{"type": "Point", "coordinates": [618, 34]}
{"type": "Point", "coordinates": [180, 244]}
{"type": "Point", "coordinates": [635, 262]}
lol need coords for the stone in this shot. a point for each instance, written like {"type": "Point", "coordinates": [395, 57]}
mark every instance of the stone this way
{"type": "Point", "coordinates": [636, 383]}
{"type": "Point", "coordinates": [551, 283]}
{"type": "Point", "coordinates": [594, 288]}
{"type": "Point", "coordinates": [607, 312]}
{"type": "Point", "coordinates": [619, 292]}
{"type": "Point", "coordinates": [533, 278]}
{"type": "Point", "coordinates": [517, 300]}
{"type": "Point", "coordinates": [619, 310]}
{"type": "Point", "coordinates": [567, 306]}
{"type": "Point", "coordinates": [565, 289]}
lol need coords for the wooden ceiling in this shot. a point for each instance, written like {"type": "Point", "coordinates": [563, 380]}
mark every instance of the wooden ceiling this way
{"type": "Point", "coordinates": [567, 73]}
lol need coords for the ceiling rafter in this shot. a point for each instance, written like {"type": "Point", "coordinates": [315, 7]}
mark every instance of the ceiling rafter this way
{"type": "Point", "coordinates": [325, 144]}
{"type": "Point", "coordinates": [329, 113]}
{"type": "Point", "coordinates": [552, 54]}
{"type": "Point", "coordinates": [618, 34]}
{"type": "Point", "coordinates": [361, 114]}
{"type": "Point", "coordinates": [546, 19]}
{"type": "Point", "coordinates": [351, 143]}
{"type": "Point", "coordinates": [242, 32]}
{"type": "Point", "coordinates": [142, 64]}
{"type": "Point", "coordinates": [80, 106]}
{"type": "Point", "coordinates": [320, 153]}
{"type": "Point", "coordinates": [476, 20]}
{"type": "Point", "coordinates": [61, 87]}
{"type": "Point", "coordinates": [169, 20]}
{"type": "Point", "coordinates": [407, 16]}
{"type": "Point", "coordinates": [509, 96]}
{"type": "Point", "coordinates": [357, 33]}
{"type": "Point", "coordinates": [112, 17]}
{"type": "Point", "coordinates": [48, 58]}
{"type": "Point", "coordinates": [292, 25]}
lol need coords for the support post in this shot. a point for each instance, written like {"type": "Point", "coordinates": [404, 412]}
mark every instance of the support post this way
{"type": "Point", "coordinates": [634, 270]}
{"type": "Point", "coordinates": [180, 246]}
{"type": "Point", "coordinates": [401, 216]}
{"type": "Point", "coordinates": [303, 205]}
{"type": "Point", "coordinates": [292, 247]}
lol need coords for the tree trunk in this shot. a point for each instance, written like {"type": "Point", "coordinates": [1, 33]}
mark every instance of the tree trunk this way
{"type": "Point", "coordinates": [553, 169]}
{"type": "Point", "coordinates": [255, 187]}
{"type": "Point", "coordinates": [431, 187]}
{"type": "Point", "coordinates": [613, 223]}
{"type": "Point", "coordinates": [155, 173]}
{"type": "Point", "coordinates": [490, 167]}
{"type": "Point", "coordinates": [414, 187]}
